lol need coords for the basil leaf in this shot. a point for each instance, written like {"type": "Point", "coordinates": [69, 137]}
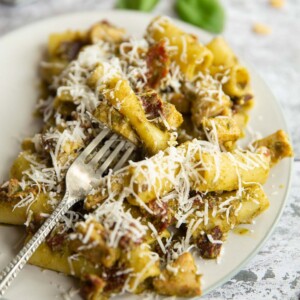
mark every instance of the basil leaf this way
{"type": "Point", "coordinates": [207, 14]}
{"type": "Point", "coordinates": [142, 5]}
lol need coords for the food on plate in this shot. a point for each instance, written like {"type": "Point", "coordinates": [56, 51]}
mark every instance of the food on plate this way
{"type": "Point", "coordinates": [185, 105]}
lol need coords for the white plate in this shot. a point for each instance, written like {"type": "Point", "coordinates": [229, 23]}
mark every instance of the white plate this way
{"type": "Point", "coordinates": [20, 52]}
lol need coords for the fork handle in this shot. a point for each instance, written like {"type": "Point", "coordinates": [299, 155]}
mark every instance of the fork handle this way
{"type": "Point", "coordinates": [16, 265]}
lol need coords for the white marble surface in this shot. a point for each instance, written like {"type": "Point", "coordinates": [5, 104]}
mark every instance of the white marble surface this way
{"type": "Point", "coordinates": [275, 272]}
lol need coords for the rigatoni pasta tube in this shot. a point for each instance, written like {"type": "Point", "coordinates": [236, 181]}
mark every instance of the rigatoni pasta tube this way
{"type": "Point", "coordinates": [187, 52]}
{"type": "Point", "coordinates": [60, 261]}
{"type": "Point", "coordinates": [186, 282]}
{"type": "Point", "coordinates": [144, 264]}
{"type": "Point", "coordinates": [11, 213]}
{"type": "Point", "coordinates": [223, 129]}
{"type": "Point", "coordinates": [241, 118]}
{"type": "Point", "coordinates": [279, 145]}
{"type": "Point", "coordinates": [108, 115]}
{"type": "Point", "coordinates": [205, 169]}
{"type": "Point", "coordinates": [101, 253]}
{"type": "Point", "coordinates": [238, 83]}
{"type": "Point", "coordinates": [118, 92]}
{"type": "Point", "coordinates": [232, 170]}
{"type": "Point", "coordinates": [210, 101]}
{"type": "Point", "coordinates": [21, 164]}
{"type": "Point", "coordinates": [220, 171]}
{"type": "Point", "coordinates": [229, 209]}
{"type": "Point", "coordinates": [222, 53]}
{"type": "Point", "coordinates": [105, 32]}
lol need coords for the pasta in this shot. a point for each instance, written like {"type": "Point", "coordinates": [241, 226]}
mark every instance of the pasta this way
{"type": "Point", "coordinates": [211, 172]}
{"type": "Point", "coordinates": [119, 93]}
{"type": "Point", "coordinates": [189, 54]}
{"type": "Point", "coordinates": [185, 106]}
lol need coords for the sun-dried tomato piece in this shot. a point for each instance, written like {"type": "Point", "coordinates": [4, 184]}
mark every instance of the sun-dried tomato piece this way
{"type": "Point", "coordinates": [208, 249]}
{"type": "Point", "coordinates": [152, 104]}
{"type": "Point", "coordinates": [158, 62]}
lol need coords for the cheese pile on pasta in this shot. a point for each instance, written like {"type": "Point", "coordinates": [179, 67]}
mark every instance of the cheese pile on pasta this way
{"type": "Point", "coordinates": [184, 105]}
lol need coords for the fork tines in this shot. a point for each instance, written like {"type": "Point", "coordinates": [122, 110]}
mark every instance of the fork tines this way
{"type": "Point", "coordinates": [107, 151]}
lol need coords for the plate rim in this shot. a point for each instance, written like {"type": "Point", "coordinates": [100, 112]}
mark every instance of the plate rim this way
{"type": "Point", "coordinates": [18, 30]}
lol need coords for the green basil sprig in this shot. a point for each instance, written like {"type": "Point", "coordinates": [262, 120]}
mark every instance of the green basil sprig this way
{"type": "Point", "coordinates": [142, 5]}
{"type": "Point", "coordinates": [207, 14]}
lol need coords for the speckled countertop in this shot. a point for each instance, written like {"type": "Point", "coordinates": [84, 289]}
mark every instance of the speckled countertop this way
{"type": "Point", "coordinates": [275, 272]}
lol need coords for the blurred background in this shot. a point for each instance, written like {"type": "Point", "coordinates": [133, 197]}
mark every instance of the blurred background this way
{"type": "Point", "coordinates": [266, 34]}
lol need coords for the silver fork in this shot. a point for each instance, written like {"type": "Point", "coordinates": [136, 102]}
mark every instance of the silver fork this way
{"type": "Point", "coordinates": [90, 164]}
